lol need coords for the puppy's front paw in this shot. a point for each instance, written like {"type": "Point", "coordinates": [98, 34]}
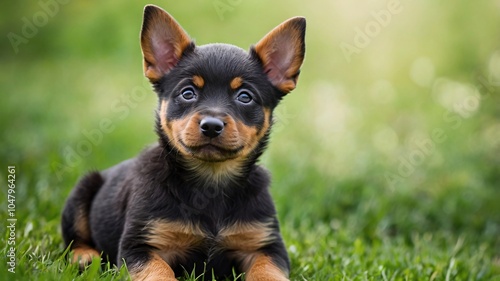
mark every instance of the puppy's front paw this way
{"type": "Point", "coordinates": [263, 269]}
{"type": "Point", "coordinates": [156, 269]}
{"type": "Point", "coordinates": [83, 256]}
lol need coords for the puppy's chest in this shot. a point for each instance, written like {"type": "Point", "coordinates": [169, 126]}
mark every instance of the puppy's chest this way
{"type": "Point", "coordinates": [177, 240]}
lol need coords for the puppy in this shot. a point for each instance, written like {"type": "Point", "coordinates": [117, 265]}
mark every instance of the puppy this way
{"type": "Point", "coordinates": [196, 201]}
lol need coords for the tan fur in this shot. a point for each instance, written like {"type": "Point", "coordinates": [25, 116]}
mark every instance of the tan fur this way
{"type": "Point", "coordinates": [159, 26]}
{"type": "Point", "coordinates": [173, 239]}
{"type": "Point", "coordinates": [82, 225]}
{"type": "Point", "coordinates": [170, 128]}
{"type": "Point", "coordinates": [236, 83]}
{"type": "Point", "coordinates": [236, 135]}
{"type": "Point", "coordinates": [215, 172]}
{"type": "Point", "coordinates": [252, 135]}
{"type": "Point", "coordinates": [83, 255]}
{"type": "Point", "coordinates": [270, 44]}
{"type": "Point", "coordinates": [246, 237]}
{"type": "Point", "coordinates": [198, 81]}
{"type": "Point", "coordinates": [245, 240]}
{"type": "Point", "coordinates": [155, 270]}
{"type": "Point", "coordinates": [263, 269]}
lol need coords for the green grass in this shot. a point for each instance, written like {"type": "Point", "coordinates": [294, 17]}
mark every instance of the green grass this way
{"type": "Point", "coordinates": [350, 205]}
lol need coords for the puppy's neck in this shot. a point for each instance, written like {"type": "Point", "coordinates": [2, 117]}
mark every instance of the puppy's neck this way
{"type": "Point", "coordinates": [216, 174]}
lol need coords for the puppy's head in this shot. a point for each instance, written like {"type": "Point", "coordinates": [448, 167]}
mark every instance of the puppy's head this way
{"type": "Point", "coordinates": [216, 100]}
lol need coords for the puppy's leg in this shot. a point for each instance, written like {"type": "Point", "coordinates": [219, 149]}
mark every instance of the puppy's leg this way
{"type": "Point", "coordinates": [143, 263]}
{"type": "Point", "coordinates": [75, 219]}
{"type": "Point", "coordinates": [154, 269]}
{"type": "Point", "coordinates": [260, 250]}
{"type": "Point", "coordinates": [264, 269]}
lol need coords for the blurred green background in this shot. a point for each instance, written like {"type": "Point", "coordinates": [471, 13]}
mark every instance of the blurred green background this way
{"type": "Point", "coordinates": [385, 159]}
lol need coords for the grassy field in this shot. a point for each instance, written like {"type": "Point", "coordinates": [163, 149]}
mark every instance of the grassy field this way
{"type": "Point", "coordinates": [385, 159]}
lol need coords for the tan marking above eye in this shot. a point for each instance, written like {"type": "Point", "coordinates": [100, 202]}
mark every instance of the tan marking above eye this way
{"type": "Point", "coordinates": [236, 82]}
{"type": "Point", "coordinates": [198, 81]}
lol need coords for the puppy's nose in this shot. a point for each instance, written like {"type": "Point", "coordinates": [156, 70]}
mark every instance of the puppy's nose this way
{"type": "Point", "coordinates": [211, 126]}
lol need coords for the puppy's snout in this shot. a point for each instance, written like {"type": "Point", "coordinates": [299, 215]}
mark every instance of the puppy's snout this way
{"type": "Point", "coordinates": [211, 127]}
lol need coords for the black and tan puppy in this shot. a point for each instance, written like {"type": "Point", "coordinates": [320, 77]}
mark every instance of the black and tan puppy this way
{"type": "Point", "coordinates": [197, 200]}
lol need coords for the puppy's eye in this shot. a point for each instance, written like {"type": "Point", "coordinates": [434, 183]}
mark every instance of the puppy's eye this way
{"type": "Point", "coordinates": [188, 94]}
{"type": "Point", "coordinates": [244, 97]}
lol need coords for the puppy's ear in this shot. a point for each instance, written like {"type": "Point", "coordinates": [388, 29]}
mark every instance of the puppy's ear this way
{"type": "Point", "coordinates": [282, 52]}
{"type": "Point", "coordinates": [163, 41]}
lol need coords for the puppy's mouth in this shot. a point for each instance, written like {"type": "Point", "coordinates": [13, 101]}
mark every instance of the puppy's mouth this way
{"type": "Point", "coordinates": [210, 152]}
